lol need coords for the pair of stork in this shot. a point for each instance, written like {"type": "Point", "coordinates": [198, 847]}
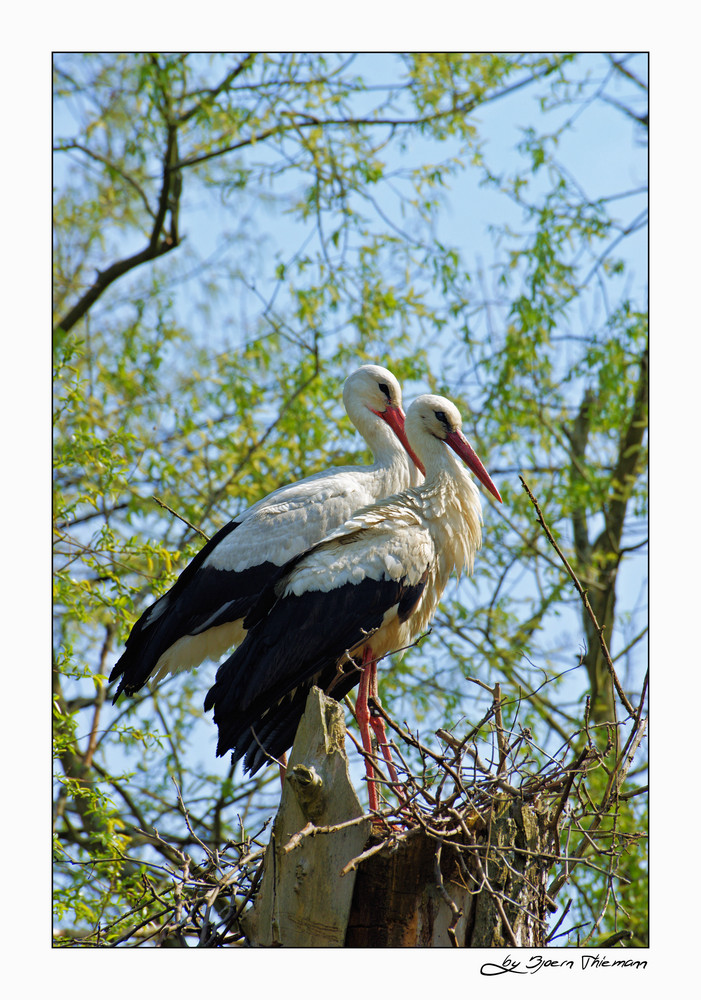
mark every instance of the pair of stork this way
{"type": "Point", "coordinates": [317, 581]}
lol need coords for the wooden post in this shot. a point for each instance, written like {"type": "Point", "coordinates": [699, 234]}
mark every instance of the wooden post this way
{"type": "Point", "coordinates": [304, 901]}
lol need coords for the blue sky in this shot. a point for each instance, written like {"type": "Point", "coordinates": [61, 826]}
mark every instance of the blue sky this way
{"type": "Point", "coordinates": [597, 150]}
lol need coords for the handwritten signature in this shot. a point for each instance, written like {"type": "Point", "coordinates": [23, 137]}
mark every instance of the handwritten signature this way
{"type": "Point", "coordinates": [536, 963]}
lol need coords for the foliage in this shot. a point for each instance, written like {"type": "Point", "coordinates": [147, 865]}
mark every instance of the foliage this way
{"type": "Point", "coordinates": [233, 235]}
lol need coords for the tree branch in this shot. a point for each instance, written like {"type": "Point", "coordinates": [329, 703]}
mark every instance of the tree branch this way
{"type": "Point", "coordinates": [629, 453]}
{"type": "Point", "coordinates": [311, 121]}
{"type": "Point", "coordinates": [160, 243]}
{"type": "Point", "coordinates": [67, 147]}
{"type": "Point", "coordinates": [585, 600]}
{"type": "Point", "coordinates": [215, 91]}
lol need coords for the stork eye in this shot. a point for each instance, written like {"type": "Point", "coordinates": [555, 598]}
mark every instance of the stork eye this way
{"type": "Point", "coordinates": [384, 388]}
{"type": "Point", "coordinates": [440, 415]}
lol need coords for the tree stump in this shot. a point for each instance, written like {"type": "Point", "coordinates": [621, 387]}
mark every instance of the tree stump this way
{"type": "Point", "coordinates": [489, 892]}
{"type": "Point", "coordinates": [512, 908]}
{"type": "Point", "coordinates": [398, 902]}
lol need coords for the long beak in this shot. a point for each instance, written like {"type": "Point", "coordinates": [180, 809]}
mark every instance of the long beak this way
{"type": "Point", "coordinates": [462, 447]}
{"type": "Point", "coordinates": [394, 417]}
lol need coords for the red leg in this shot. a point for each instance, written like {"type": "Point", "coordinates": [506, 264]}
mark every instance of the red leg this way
{"type": "Point", "coordinates": [362, 714]}
{"type": "Point", "coordinates": [378, 726]}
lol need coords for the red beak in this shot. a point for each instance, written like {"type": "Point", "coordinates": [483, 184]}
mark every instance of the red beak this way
{"type": "Point", "coordinates": [462, 447]}
{"type": "Point", "coordinates": [394, 417]}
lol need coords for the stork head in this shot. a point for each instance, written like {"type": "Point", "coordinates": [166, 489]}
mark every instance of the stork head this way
{"type": "Point", "coordinates": [375, 389]}
{"type": "Point", "coordinates": [434, 418]}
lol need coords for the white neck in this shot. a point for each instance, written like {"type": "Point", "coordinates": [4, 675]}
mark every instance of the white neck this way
{"type": "Point", "coordinates": [381, 439]}
{"type": "Point", "coordinates": [450, 499]}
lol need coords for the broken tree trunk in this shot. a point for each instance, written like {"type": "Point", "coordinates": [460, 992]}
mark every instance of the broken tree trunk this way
{"type": "Point", "coordinates": [470, 875]}
{"type": "Point", "coordinates": [483, 889]}
{"type": "Point", "coordinates": [304, 900]}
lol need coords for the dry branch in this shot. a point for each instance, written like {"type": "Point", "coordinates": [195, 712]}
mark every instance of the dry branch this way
{"type": "Point", "coordinates": [585, 600]}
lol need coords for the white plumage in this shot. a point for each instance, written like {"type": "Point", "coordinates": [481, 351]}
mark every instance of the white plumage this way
{"type": "Point", "coordinates": [202, 614]}
{"type": "Point", "coordinates": [369, 587]}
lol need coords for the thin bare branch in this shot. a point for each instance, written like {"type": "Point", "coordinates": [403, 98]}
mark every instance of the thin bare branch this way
{"type": "Point", "coordinates": [585, 600]}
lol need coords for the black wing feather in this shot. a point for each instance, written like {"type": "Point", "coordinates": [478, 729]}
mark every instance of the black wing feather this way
{"type": "Point", "coordinates": [201, 598]}
{"type": "Point", "coordinates": [261, 690]}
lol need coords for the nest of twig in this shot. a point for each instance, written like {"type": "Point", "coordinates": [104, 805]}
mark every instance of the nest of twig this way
{"type": "Point", "coordinates": [454, 798]}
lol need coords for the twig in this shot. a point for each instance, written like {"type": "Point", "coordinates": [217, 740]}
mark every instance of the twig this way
{"type": "Point", "coordinates": [450, 903]}
{"type": "Point", "coordinates": [310, 830]}
{"type": "Point", "coordinates": [354, 862]}
{"type": "Point", "coordinates": [100, 698]}
{"type": "Point", "coordinates": [615, 938]}
{"type": "Point", "coordinates": [499, 725]}
{"type": "Point", "coordinates": [164, 505]}
{"type": "Point", "coordinates": [585, 600]}
{"type": "Point", "coordinates": [566, 910]}
{"type": "Point", "coordinates": [572, 773]}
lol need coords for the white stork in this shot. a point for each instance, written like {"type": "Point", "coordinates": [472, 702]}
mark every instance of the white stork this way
{"type": "Point", "coordinates": [369, 587]}
{"type": "Point", "coordinates": [202, 614]}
